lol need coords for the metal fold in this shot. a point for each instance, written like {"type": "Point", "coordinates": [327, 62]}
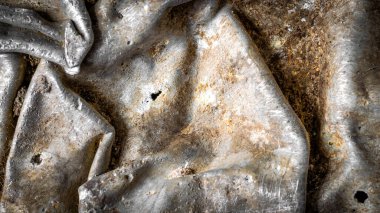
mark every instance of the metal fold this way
{"type": "Point", "coordinates": [66, 46]}
{"type": "Point", "coordinates": [350, 138]}
{"type": "Point", "coordinates": [224, 155]}
{"type": "Point", "coordinates": [59, 143]}
{"type": "Point", "coordinates": [168, 106]}
{"type": "Point", "coordinates": [12, 68]}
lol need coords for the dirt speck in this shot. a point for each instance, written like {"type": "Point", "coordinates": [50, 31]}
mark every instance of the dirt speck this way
{"type": "Point", "coordinates": [182, 171]}
{"type": "Point", "coordinates": [43, 86]}
{"type": "Point", "coordinates": [19, 100]}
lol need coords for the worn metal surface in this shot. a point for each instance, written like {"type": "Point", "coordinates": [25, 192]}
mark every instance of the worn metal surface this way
{"type": "Point", "coordinates": [195, 117]}
{"type": "Point", "coordinates": [59, 141]}
{"type": "Point", "coordinates": [11, 74]}
{"type": "Point", "coordinates": [351, 123]}
{"type": "Point", "coordinates": [194, 147]}
{"type": "Point", "coordinates": [64, 43]}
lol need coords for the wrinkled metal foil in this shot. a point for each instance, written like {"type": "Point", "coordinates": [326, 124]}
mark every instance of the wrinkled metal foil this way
{"type": "Point", "coordinates": [184, 106]}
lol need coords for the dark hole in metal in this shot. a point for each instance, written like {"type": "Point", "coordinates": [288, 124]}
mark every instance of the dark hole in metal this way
{"type": "Point", "coordinates": [361, 196]}
{"type": "Point", "coordinates": [154, 96]}
{"type": "Point", "coordinates": [36, 159]}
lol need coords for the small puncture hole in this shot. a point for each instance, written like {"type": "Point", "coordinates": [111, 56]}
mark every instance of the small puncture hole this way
{"type": "Point", "coordinates": [36, 159]}
{"type": "Point", "coordinates": [361, 196]}
{"type": "Point", "coordinates": [154, 96]}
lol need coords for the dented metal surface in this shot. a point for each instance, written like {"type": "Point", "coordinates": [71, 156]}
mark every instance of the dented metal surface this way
{"type": "Point", "coordinates": [195, 116]}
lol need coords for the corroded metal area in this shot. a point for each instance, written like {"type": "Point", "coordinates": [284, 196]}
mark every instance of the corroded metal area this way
{"type": "Point", "coordinates": [168, 106]}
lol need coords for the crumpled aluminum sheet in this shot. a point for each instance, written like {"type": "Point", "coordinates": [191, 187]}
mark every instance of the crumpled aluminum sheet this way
{"type": "Point", "coordinates": [59, 141]}
{"type": "Point", "coordinates": [199, 119]}
{"type": "Point", "coordinates": [350, 134]}
{"type": "Point", "coordinates": [76, 34]}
